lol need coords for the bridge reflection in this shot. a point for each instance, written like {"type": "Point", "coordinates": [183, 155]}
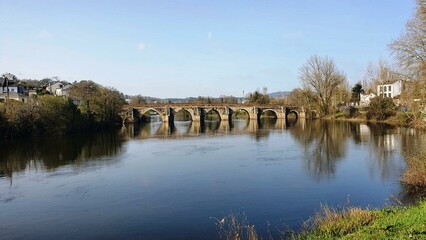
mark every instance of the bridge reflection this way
{"type": "Point", "coordinates": [179, 129]}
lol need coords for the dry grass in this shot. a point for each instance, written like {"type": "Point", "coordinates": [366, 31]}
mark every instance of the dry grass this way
{"type": "Point", "coordinates": [235, 227]}
{"type": "Point", "coordinates": [415, 174]}
{"type": "Point", "coordinates": [334, 222]}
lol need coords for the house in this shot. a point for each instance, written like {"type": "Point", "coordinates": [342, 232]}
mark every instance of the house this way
{"type": "Point", "coordinates": [364, 99]}
{"type": "Point", "coordinates": [390, 89]}
{"type": "Point", "coordinates": [58, 89]}
{"type": "Point", "coordinates": [12, 89]}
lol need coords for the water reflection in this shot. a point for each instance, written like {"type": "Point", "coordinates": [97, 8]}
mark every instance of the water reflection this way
{"type": "Point", "coordinates": [324, 144]}
{"type": "Point", "coordinates": [258, 129]}
{"type": "Point", "coordinates": [51, 153]}
{"type": "Point", "coordinates": [206, 168]}
{"type": "Point", "coordinates": [413, 141]}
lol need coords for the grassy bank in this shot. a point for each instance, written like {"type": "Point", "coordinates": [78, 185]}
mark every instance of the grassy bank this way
{"type": "Point", "coordinates": [354, 223]}
{"type": "Point", "coordinates": [408, 222]}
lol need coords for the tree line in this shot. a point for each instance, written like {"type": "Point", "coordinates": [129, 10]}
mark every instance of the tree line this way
{"type": "Point", "coordinates": [325, 87]}
{"type": "Point", "coordinates": [89, 106]}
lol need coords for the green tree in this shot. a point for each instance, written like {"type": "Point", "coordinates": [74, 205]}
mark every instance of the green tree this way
{"type": "Point", "coordinates": [258, 98]}
{"type": "Point", "coordinates": [106, 105]}
{"type": "Point", "coordinates": [82, 93]}
{"type": "Point", "coordinates": [21, 117]}
{"type": "Point", "coordinates": [321, 77]}
{"type": "Point", "coordinates": [56, 115]}
{"type": "Point", "coordinates": [356, 92]}
{"type": "Point", "coordinates": [380, 108]}
{"type": "Point", "coordinates": [98, 104]}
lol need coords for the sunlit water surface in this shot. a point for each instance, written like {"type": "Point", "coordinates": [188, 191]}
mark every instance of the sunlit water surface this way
{"type": "Point", "coordinates": [156, 181]}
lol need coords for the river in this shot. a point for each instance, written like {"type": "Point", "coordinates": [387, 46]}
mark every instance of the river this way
{"type": "Point", "coordinates": [155, 181]}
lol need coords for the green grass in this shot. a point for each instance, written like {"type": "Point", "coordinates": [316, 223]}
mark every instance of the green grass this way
{"type": "Point", "coordinates": [353, 223]}
{"type": "Point", "coordinates": [396, 222]}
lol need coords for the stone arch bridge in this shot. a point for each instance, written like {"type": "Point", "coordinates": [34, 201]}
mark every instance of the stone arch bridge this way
{"type": "Point", "coordinates": [197, 112]}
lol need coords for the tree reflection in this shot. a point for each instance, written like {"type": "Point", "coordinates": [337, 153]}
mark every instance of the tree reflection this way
{"type": "Point", "coordinates": [384, 144]}
{"type": "Point", "coordinates": [52, 153]}
{"type": "Point", "coordinates": [413, 142]}
{"type": "Point", "coordinates": [324, 144]}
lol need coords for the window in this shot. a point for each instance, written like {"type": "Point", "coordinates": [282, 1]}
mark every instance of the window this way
{"type": "Point", "coordinates": [381, 89]}
{"type": "Point", "coordinates": [389, 95]}
{"type": "Point", "coordinates": [389, 88]}
{"type": "Point", "coordinates": [384, 88]}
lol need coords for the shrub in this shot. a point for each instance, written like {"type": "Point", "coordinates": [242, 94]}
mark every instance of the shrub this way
{"type": "Point", "coordinates": [415, 174]}
{"type": "Point", "coordinates": [56, 114]}
{"type": "Point", "coordinates": [380, 109]}
{"type": "Point", "coordinates": [332, 222]}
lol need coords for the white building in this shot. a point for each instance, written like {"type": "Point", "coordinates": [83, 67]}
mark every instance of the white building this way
{"type": "Point", "coordinates": [58, 89]}
{"type": "Point", "coordinates": [365, 99]}
{"type": "Point", "coordinates": [391, 89]}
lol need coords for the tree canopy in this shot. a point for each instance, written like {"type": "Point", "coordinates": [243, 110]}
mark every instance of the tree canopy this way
{"type": "Point", "coordinates": [321, 77]}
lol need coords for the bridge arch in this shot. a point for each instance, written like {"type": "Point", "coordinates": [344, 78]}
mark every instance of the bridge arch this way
{"type": "Point", "coordinates": [236, 112]}
{"type": "Point", "coordinates": [208, 114]}
{"type": "Point", "coordinates": [144, 112]}
{"type": "Point", "coordinates": [268, 113]}
{"type": "Point", "coordinates": [183, 114]}
{"type": "Point", "coordinates": [292, 114]}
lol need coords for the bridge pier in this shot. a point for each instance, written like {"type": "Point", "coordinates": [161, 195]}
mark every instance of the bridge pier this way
{"type": "Point", "coordinates": [225, 114]}
{"type": "Point", "coordinates": [254, 114]}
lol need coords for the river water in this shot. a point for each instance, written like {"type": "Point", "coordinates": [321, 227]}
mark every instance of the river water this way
{"type": "Point", "coordinates": [156, 181]}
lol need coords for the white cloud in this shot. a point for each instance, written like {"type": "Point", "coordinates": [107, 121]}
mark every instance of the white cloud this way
{"type": "Point", "coordinates": [210, 35]}
{"type": "Point", "coordinates": [141, 46]}
{"type": "Point", "coordinates": [43, 34]}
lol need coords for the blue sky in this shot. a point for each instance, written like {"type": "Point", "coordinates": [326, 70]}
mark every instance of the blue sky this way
{"type": "Point", "coordinates": [192, 47]}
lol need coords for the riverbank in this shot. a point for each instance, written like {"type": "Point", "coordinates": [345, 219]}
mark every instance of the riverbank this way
{"type": "Point", "coordinates": [407, 222]}
{"type": "Point", "coordinates": [399, 119]}
{"type": "Point", "coordinates": [394, 222]}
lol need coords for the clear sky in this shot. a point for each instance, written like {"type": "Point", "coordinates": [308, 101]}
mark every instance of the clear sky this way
{"type": "Point", "coordinates": [194, 47]}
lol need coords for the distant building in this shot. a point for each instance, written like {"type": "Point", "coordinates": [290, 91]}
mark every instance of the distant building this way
{"type": "Point", "coordinates": [365, 99]}
{"type": "Point", "coordinates": [59, 89]}
{"type": "Point", "coordinates": [390, 89]}
{"type": "Point", "coordinates": [12, 89]}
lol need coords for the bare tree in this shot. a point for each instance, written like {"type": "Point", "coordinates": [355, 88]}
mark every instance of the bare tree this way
{"type": "Point", "coordinates": [410, 47]}
{"type": "Point", "coordinates": [410, 52]}
{"type": "Point", "coordinates": [323, 79]}
{"type": "Point", "coordinates": [380, 73]}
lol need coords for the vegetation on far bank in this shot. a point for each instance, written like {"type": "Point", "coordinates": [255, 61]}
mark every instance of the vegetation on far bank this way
{"type": "Point", "coordinates": [89, 106]}
{"type": "Point", "coordinates": [380, 110]}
